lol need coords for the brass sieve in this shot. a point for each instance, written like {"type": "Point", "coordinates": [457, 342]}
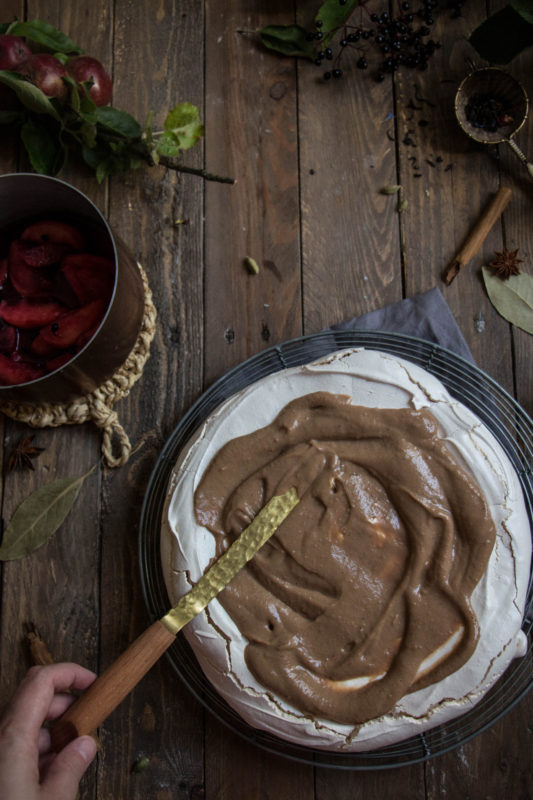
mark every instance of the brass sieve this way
{"type": "Point", "coordinates": [496, 89]}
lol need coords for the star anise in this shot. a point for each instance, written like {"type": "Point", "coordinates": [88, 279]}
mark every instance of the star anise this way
{"type": "Point", "coordinates": [506, 263]}
{"type": "Point", "coordinates": [22, 455]}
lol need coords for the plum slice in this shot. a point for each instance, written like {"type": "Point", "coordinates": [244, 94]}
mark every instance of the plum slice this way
{"type": "Point", "coordinates": [8, 339]}
{"type": "Point", "coordinates": [13, 372]}
{"type": "Point", "coordinates": [53, 297]}
{"type": "Point", "coordinates": [90, 277]}
{"type": "Point", "coordinates": [66, 329]}
{"type": "Point", "coordinates": [43, 255]}
{"type": "Point", "coordinates": [42, 349]}
{"type": "Point", "coordinates": [58, 361]}
{"type": "Point", "coordinates": [52, 230]}
{"type": "Point", "coordinates": [25, 314]}
{"type": "Point", "coordinates": [26, 281]}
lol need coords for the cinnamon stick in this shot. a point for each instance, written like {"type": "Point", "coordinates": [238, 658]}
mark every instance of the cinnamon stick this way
{"type": "Point", "coordinates": [39, 652]}
{"type": "Point", "coordinates": [478, 234]}
{"type": "Point", "coordinates": [40, 657]}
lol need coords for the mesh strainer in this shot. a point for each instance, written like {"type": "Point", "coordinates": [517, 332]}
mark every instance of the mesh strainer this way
{"type": "Point", "coordinates": [491, 106]}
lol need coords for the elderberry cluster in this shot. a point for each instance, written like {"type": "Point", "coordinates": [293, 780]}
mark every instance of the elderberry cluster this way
{"type": "Point", "coordinates": [398, 40]}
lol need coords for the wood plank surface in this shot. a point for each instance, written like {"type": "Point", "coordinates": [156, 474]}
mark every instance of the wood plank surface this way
{"type": "Point", "coordinates": [310, 160]}
{"type": "Point", "coordinates": [254, 140]}
{"type": "Point", "coordinates": [350, 231]}
{"type": "Point", "coordinates": [245, 313]}
{"type": "Point", "coordinates": [167, 41]}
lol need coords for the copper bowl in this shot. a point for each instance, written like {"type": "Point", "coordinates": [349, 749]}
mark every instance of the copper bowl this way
{"type": "Point", "coordinates": [29, 197]}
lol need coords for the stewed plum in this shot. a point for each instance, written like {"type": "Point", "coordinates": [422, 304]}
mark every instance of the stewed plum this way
{"type": "Point", "coordinates": [53, 296]}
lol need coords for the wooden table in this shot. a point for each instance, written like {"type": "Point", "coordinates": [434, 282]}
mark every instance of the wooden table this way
{"type": "Point", "coordinates": [310, 160]}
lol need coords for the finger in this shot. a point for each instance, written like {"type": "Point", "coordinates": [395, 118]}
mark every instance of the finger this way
{"type": "Point", "coordinates": [44, 763]}
{"type": "Point", "coordinates": [66, 770]}
{"type": "Point", "coordinates": [33, 697]}
{"type": "Point", "coordinates": [59, 704]}
{"type": "Point", "coordinates": [44, 742]}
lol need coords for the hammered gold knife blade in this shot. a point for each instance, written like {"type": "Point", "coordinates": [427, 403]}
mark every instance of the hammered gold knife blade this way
{"type": "Point", "coordinates": [108, 690]}
{"type": "Point", "coordinates": [232, 561]}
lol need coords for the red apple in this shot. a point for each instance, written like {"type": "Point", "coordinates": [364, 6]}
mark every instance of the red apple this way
{"type": "Point", "coordinates": [46, 72]}
{"type": "Point", "coordinates": [13, 51]}
{"type": "Point", "coordinates": [86, 69]}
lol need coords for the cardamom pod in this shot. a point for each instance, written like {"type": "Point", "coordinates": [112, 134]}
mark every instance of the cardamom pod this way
{"type": "Point", "coordinates": [251, 265]}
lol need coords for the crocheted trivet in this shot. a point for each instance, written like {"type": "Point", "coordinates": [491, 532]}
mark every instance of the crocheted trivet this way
{"type": "Point", "coordinates": [97, 406]}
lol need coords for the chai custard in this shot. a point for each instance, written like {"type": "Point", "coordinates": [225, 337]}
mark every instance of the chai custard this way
{"type": "Point", "coordinates": [391, 598]}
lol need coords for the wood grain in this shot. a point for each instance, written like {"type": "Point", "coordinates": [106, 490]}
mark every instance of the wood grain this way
{"type": "Point", "coordinates": [46, 579]}
{"type": "Point", "coordinates": [447, 200]}
{"type": "Point", "coordinates": [244, 313]}
{"type": "Point", "coordinates": [310, 161]}
{"type": "Point", "coordinates": [253, 139]}
{"type": "Point", "coordinates": [166, 68]}
{"type": "Point", "coordinates": [350, 230]}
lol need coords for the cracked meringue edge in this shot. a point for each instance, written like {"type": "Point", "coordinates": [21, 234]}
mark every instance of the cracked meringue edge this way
{"type": "Point", "coordinates": [384, 381]}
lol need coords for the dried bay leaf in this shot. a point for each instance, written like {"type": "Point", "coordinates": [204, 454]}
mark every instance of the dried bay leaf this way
{"type": "Point", "coordinates": [39, 516]}
{"type": "Point", "coordinates": [512, 298]}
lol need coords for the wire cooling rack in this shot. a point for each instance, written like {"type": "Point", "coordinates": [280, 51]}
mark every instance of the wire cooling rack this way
{"type": "Point", "coordinates": [511, 426]}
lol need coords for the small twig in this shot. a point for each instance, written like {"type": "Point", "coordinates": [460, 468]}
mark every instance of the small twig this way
{"type": "Point", "coordinates": [202, 173]}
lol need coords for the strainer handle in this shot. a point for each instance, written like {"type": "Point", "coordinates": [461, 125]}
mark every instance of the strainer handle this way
{"type": "Point", "coordinates": [516, 150]}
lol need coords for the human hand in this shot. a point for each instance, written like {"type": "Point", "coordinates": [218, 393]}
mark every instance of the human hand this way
{"type": "Point", "coordinates": [29, 770]}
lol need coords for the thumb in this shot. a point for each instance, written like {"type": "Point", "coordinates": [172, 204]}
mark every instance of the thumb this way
{"type": "Point", "coordinates": [67, 768]}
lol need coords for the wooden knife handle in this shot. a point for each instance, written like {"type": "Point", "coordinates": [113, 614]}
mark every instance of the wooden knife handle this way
{"type": "Point", "coordinates": [112, 686]}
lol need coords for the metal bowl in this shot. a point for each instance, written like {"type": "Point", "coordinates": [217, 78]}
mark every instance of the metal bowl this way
{"type": "Point", "coordinates": [27, 197]}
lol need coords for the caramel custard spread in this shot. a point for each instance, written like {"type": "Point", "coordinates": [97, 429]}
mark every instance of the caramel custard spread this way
{"type": "Point", "coordinates": [371, 574]}
{"type": "Point", "coordinates": [391, 598]}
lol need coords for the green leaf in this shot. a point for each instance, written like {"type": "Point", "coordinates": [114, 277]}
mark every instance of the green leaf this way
{"type": "Point", "coordinates": [92, 156]}
{"type": "Point", "coordinates": [513, 298]}
{"type": "Point", "coordinates": [110, 158]}
{"type": "Point", "coordinates": [39, 516]}
{"type": "Point", "coordinates": [524, 8]}
{"type": "Point", "coordinates": [87, 107]}
{"type": "Point", "coordinates": [290, 40]}
{"type": "Point", "coordinates": [73, 94]}
{"type": "Point", "coordinates": [504, 34]}
{"type": "Point", "coordinates": [167, 146]}
{"type": "Point", "coordinates": [28, 94]}
{"type": "Point", "coordinates": [148, 133]}
{"type": "Point", "coordinates": [43, 146]}
{"type": "Point", "coordinates": [87, 133]}
{"type": "Point", "coordinates": [182, 124]}
{"type": "Point", "coordinates": [103, 169]}
{"type": "Point", "coordinates": [9, 117]}
{"type": "Point", "coordinates": [333, 16]}
{"type": "Point", "coordinates": [44, 34]}
{"type": "Point", "coordinates": [119, 122]}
